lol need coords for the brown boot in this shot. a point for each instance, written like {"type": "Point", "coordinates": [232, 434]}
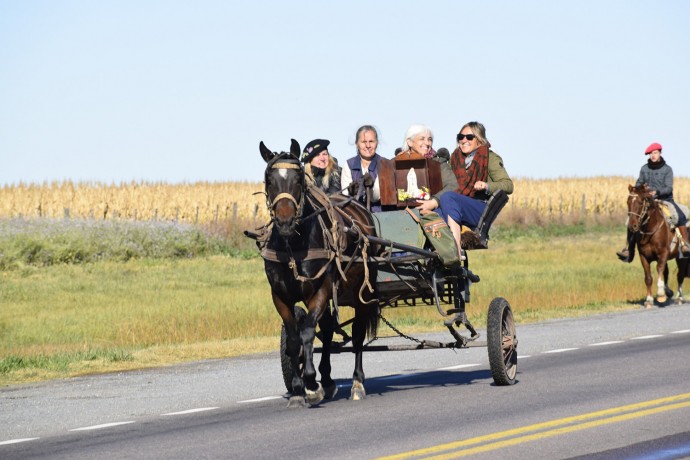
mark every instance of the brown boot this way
{"type": "Point", "coordinates": [624, 254]}
{"type": "Point", "coordinates": [684, 244]}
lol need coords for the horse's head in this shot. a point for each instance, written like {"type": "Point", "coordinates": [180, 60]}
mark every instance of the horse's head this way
{"type": "Point", "coordinates": [284, 183]}
{"type": "Point", "coordinates": [640, 201]}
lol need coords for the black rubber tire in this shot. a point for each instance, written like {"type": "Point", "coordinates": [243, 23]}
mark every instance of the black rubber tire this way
{"type": "Point", "coordinates": [502, 342]}
{"type": "Point", "coordinates": [285, 363]}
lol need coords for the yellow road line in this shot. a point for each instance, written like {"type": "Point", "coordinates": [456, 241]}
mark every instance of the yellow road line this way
{"type": "Point", "coordinates": [578, 422]}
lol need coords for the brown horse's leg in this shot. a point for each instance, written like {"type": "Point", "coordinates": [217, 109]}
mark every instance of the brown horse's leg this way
{"type": "Point", "coordinates": [662, 279]}
{"type": "Point", "coordinates": [682, 274]}
{"type": "Point", "coordinates": [649, 301]}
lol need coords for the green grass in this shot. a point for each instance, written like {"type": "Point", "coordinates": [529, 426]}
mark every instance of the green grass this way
{"type": "Point", "coordinates": [96, 315]}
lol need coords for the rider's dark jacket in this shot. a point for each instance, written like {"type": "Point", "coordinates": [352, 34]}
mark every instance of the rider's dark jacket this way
{"type": "Point", "coordinates": [658, 176]}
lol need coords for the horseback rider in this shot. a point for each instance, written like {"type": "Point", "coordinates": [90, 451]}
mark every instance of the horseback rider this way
{"type": "Point", "coordinates": [658, 176]}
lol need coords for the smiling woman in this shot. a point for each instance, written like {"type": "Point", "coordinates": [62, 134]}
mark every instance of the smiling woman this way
{"type": "Point", "coordinates": [478, 171]}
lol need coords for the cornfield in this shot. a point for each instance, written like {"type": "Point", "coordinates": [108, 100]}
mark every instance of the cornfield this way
{"type": "Point", "coordinates": [205, 202]}
{"type": "Point", "coordinates": [200, 202]}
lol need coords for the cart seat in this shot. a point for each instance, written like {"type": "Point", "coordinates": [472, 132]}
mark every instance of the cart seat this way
{"type": "Point", "coordinates": [478, 238]}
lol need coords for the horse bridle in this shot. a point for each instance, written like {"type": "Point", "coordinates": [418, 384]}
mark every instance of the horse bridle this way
{"type": "Point", "coordinates": [278, 163]}
{"type": "Point", "coordinates": [643, 216]}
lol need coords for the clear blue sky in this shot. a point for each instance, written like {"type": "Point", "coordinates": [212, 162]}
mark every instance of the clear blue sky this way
{"type": "Point", "coordinates": [179, 91]}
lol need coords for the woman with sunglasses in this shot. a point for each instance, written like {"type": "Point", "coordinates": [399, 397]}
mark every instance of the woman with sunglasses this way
{"type": "Point", "coordinates": [478, 171]}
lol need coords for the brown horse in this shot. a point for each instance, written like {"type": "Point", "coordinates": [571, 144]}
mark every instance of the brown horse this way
{"type": "Point", "coordinates": [304, 247]}
{"type": "Point", "coordinates": [655, 241]}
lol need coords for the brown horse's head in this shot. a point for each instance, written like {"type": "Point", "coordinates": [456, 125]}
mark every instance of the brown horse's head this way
{"type": "Point", "coordinates": [640, 202]}
{"type": "Point", "coordinates": [284, 183]}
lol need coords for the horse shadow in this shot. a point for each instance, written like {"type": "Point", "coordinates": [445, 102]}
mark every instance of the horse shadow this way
{"type": "Point", "coordinates": [668, 303]}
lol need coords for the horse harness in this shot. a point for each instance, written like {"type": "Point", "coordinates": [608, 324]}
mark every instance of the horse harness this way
{"type": "Point", "coordinates": [335, 240]}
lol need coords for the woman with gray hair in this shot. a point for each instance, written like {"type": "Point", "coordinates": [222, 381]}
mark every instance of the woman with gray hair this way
{"type": "Point", "coordinates": [360, 178]}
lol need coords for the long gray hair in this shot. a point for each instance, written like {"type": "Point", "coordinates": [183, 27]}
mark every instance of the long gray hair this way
{"type": "Point", "coordinates": [414, 131]}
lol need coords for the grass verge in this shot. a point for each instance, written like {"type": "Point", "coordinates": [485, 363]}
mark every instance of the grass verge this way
{"type": "Point", "coordinates": [64, 320]}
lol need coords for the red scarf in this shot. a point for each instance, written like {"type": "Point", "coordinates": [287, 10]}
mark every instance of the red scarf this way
{"type": "Point", "coordinates": [478, 169]}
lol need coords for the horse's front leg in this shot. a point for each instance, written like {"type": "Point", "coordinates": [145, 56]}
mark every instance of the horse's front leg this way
{"type": "Point", "coordinates": [662, 277]}
{"type": "Point", "coordinates": [649, 301]}
{"type": "Point", "coordinates": [317, 304]}
{"type": "Point", "coordinates": [327, 327]}
{"type": "Point", "coordinates": [293, 349]}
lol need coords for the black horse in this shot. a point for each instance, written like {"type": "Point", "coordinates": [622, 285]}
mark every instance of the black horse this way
{"type": "Point", "coordinates": [306, 251]}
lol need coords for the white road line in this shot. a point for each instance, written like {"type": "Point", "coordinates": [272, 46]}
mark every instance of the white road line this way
{"type": "Point", "coordinates": [461, 366]}
{"type": "Point", "coordinates": [191, 411]}
{"type": "Point", "coordinates": [265, 398]}
{"type": "Point", "coordinates": [560, 350]}
{"type": "Point", "coordinates": [99, 427]}
{"type": "Point", "coordinates": [600, 344]}
{"type": "Point", "coordinates": [645, 337]}
{"type": "Point", "coordinates": [524, 356]}
{"type": "Point", "coordinates": [684, 331]}
{"type": "Point", "coordinates": [16, 441]}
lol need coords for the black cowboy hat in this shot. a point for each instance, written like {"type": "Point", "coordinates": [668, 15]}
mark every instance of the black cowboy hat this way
{"type": "Point", "coordinates": [314, 148]}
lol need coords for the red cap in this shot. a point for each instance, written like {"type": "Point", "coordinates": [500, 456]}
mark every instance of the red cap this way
{"type": "Point", "coordinates": [653, 147]}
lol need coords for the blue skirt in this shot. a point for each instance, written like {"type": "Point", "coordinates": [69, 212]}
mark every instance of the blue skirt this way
{"type": "Point", "coordinates": [461, 208]}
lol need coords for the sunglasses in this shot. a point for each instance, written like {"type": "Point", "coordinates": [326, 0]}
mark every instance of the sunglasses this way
{"type": "Point", "coordinates": [469, 137]}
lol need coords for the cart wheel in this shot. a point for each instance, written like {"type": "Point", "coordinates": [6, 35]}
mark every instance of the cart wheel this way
{"type": "Point", "coordinates": [285, 363]}
{"type": "Point", "coordinates": [502, 342]}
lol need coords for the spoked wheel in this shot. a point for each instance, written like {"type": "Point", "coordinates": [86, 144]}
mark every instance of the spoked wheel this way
{"type": "Point", "coordinates": [502, 342]}
{"type": "Point", "coordinates": [285, 363]}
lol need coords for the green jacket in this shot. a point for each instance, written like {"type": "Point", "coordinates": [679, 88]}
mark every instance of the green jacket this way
{"type": "Point", "coordinates": [498, 178]}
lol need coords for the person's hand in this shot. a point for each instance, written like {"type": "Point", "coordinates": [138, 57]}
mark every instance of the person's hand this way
{"type": "Point", "coordinates": [652, 192]}
{"type": "Point", "coordinates": [367, 180]}
{"type": "Point", "coordinates": [427, 206]}
{"type": "Point", "coordinates": [353, 189]}
{"type": "Point", "coordinates": [481, 185]}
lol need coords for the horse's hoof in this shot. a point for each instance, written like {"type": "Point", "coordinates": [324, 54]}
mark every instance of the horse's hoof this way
{"type": "Point", "coordinates": [296, 402]}
{"type": "Point", "coordinates": [315, 397]}
{"type": "Point", "coordinates": [648, 305]}
{"type": "Point", "coordinates": [330, 390]}
{"type": "Point", "coordinates": [357, 392]}
{"type": "Point", "coordinates": [662, 299]}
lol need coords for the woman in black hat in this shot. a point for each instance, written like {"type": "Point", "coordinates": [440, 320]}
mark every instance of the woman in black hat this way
{"type": "Point", "coordinates": [321, 166]}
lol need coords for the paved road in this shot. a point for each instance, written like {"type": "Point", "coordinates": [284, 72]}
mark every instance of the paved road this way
{"type": "Point", "coordinates": [600, 384]}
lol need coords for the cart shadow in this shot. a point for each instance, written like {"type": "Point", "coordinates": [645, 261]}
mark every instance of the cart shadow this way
{"type": "Point", "coordinates": [404, 382]}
